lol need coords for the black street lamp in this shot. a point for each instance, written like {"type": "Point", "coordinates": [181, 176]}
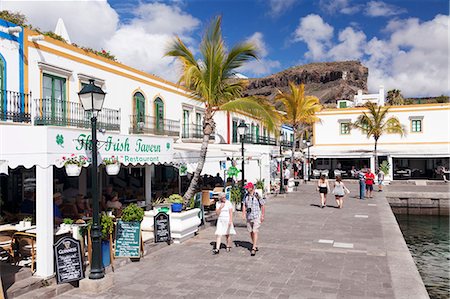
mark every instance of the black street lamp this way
{"type": "Point", "coordinates": [308, 144]}
{"type": "Point", "coordinates": [92, 97]}
{"type": "Point", "coordinates": [242, 129]}
{"type": "Point", "coordinates": [281, 164]}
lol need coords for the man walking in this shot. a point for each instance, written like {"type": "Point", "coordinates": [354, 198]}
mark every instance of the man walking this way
{"type": "Point", "coordinates": [370, 178]}
{"type": "Point", "coordinates": [253, 211]}
{"type": "Point", "coordinates": [362, 184]}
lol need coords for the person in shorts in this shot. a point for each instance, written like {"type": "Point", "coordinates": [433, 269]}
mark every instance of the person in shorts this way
{"type": "Point", "coordinates": [369, 178]}
{"type": "Point", "coordinates": [253, 211]}
{"type": "Point", "coordinates": [380, 177]}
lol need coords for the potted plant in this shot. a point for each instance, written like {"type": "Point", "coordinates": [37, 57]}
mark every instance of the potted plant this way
{"type": "Point", "coordinates": [385, 167]}
{"type": "Point", "coordinates": [107, 226]}
{"type": "Point", "coordinates": [259, 186]}
{"type": "Point", "coordinates": [177, 202]}
{"type": "Point", "coordinates": [112, 165]}
{"type": "Point", "coordinates": [27, 221]}
{"type": "Point", "coordinates": [132, 213]}
{"type": "Point", "coordinates": [160, 205]}
{"type": "Point", "coordinates": [73, 164]}
{"type": "Point", "coordinates": [235, 196]}
{"type": "Point", "coordinates": [67, 223]}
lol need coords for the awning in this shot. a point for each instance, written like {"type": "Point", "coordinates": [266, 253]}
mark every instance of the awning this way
{"type": "Point", "coordinates": [45, 146]}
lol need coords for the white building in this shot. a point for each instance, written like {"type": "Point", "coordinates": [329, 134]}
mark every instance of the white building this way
{"type": "Point", "coordinates": [425, 146]}
{"type": "Point", "coordinates": [152, 125]}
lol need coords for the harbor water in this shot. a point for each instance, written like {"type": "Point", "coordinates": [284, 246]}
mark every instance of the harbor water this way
{"type": "Point", "coordinates": [427, 238]}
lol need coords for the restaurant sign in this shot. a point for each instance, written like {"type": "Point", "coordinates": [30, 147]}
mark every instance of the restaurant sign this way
{"type": "Point", "coordinates": [130, 149]}
{"type": "Point", "coordinates": [69, 265]}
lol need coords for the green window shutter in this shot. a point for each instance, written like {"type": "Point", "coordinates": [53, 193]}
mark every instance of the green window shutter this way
{"type": "Point", "coordinates": [235, 125]}
{"type": "Point", "coordinates": [342, 104]}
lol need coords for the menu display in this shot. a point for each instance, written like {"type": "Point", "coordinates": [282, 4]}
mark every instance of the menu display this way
{"type": "Point", "coordinates": [162, 228]}
{"type": "Point", "coordinates": [128, 239]}
{"type": "Point", "coordinates": [69, 265]}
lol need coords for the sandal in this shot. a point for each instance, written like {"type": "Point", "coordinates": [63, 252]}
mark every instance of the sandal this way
{"type": "Point", "coordinates": [215, 251]}
{"type": "Point", "coordinates": [253, 252]}
{"type": "Point", "coordinates": [228, 249]}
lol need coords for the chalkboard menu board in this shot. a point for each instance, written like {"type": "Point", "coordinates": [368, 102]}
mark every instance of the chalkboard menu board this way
{"type": "Point", "coordinates": [162, 228]}
{"type": "Point", "coordinates": [69, 266]}
{"type": "Point", "coordinates": [128, 239]}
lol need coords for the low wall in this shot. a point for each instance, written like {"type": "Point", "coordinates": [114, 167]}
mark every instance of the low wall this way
{"type": "Point", "coordinates": [419, 203]}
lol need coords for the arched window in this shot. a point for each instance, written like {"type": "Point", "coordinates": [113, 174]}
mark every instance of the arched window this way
{"type": "Point", "coordinates": [159, 114]}
{"type": "Point", "coordinates": [139, 107]}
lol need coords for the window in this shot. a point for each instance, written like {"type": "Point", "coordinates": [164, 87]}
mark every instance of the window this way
{"type": "Point", "coordinates": [345, 128]}
{"type": "Point", "coordinates": [416, 125]}
{"type": "Point", "coordinates": [139, 107]}
{"type": "Point", "coordinates": [342, 104]}
{"type": "Point", "coordinates": [159, 114]}
{"type": "Point", "coordinates": [198, 124]}
{"type": "Point", "coordinates": [54, 97]}
{"type": "Point", "coordinates": [235, 133]}
{"type": "Point", "coordinates": [185, 133]}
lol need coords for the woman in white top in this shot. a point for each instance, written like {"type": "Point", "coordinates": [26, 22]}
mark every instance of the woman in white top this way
{"type": "Point", "coordinates": [224, 222]}
{"type": "Point", "coordinates": [339, 191]}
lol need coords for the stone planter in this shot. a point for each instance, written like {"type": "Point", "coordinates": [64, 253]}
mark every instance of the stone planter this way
{"type": "Point", "coordinates": [73, 169]}
{"type": "Point", "coordinates": [113, 169]}
{"type": "Point", "coordinates": [184, 225]}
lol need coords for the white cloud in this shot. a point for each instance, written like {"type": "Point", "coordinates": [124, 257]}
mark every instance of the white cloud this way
{"type": "Point", "coordinates": [341, 6]}
{"type": "Point", "coordinates": [382, 9]}
{"type": "Point", "coordinates": [278, 7]}
{"type": "Point", "coordinates": [88, 23]}
{"type": "Point", "coordinates": [315, 33]}
{"type": "Point", "coordinates": [414, 57]}
{"type": "Point", "coordinates": [263, 65]}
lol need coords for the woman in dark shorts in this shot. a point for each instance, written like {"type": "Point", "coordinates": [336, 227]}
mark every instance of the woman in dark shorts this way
{"type": "Point", "coordinates": [323, 187]}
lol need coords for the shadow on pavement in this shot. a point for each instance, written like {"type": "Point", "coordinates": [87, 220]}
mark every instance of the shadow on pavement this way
{"type": "Point", "coordinates": [244, 244]}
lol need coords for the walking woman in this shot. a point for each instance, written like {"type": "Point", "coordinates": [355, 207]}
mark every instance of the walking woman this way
{"type": "Point", "coordinates": [323, 187]}
{"type": "Point", "coordinates": [339, 191]}
{"type": "Point", "coordinates": [224, 222]}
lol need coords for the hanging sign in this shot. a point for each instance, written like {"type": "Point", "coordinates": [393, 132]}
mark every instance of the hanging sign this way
{"type": "Point", "coordinates": [128, 239]}
{"type": "Point", "coordinates": [182, 170]}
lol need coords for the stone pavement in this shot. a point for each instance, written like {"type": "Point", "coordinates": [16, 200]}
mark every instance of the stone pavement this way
{"type": "Point", "coordinates": [305, 252]}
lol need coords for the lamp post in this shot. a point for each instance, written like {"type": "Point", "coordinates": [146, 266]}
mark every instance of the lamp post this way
{"type": "Point", "coordinates": [92, 97]}
{"type": "Point", "coordinates": [242, 129]}
{"type": "Point", "coordinates": [308, 144]}
{"type": "Point", "coordinates": [281, 164]}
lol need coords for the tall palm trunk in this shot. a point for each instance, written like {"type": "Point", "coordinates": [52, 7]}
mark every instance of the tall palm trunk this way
{"type": "Point", "coordinates": [375, 155]}
{"type": "Point", "coordinates": [208, 129]}
{"type": "Point", "coordinates": [291, 166]}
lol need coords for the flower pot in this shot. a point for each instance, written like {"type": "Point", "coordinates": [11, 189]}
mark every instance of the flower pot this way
{"type": "Point", "coordinates": [113, 169]}
{"type": "Point", "coordinates": [73, 170]}
{"type": "Point", "coordinates": [106, 258]}
{"type": "Point", "coordinates": [177, 207]}
{"type": "Point", "coordinates": [27, 224]}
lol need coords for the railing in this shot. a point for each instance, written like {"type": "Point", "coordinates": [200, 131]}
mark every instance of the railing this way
{"type": "Point", "coordinates": [263, 140]}
{"type": "Point", "coordinates": [15, 106]}
{"type": "Point", "coordinates": [144, 124]}
{"type": "Point", "coordinates": [53, 112]}
{"type": "Point", "coordinates": [286, 143]}
{"type": "Point", "coordinates": [194, 131]}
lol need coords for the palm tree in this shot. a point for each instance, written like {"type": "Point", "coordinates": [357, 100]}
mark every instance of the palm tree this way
{"type": "Point", "coordinates": [375, 123]}
{"type": "Point", "coordinates": [212, 80]}
{"type": "Point", "coordinates": [394, 97]}
{"type": "Point", "coordinates": [300, 111]}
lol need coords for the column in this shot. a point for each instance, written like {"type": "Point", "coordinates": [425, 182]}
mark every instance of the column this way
{"type": "Point", "coordinates": [391, 169]}
{"type": "Point", "coordinates": [44, 222]}
{"type": "Point", "coordinates": [372, 164]}
{"type": "Point", "coordinates": [148, 184]}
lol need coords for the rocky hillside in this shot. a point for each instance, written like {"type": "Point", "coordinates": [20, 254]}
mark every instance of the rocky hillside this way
{"type": "Point", "coordinates": [329, 81]}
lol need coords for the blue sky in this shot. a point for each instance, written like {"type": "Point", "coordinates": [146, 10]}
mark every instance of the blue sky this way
{"type": "Point", "coordinates": [404, 43]}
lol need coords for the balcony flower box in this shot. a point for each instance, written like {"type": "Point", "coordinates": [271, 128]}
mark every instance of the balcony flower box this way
{"type": "Point", "coordinates": [112, 165]}
{"type": "Point", "coordinates": [73, 164]}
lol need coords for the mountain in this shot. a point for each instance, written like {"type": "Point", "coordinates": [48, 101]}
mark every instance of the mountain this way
{"type": "Point", "coordinates": [329, 81]}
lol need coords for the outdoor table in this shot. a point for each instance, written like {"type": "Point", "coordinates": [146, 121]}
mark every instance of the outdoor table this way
{"type": "Point", "coordinates": [16, 227]}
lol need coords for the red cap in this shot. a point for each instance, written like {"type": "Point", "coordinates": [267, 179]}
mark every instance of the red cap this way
{"type": "Point", "coordinates": [249, 185]}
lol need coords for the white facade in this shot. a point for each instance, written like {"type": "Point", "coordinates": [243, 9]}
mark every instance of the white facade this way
{"type": "Point", "coordinates": [377, 98]}
{"type": "Point", "coordinates": [139, 109]}
{"type": "Point", "coordinates": [427, 136]}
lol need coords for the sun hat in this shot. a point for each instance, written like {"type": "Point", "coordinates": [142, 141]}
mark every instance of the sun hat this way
{"type": "Point", "coordinates": [249, 185]}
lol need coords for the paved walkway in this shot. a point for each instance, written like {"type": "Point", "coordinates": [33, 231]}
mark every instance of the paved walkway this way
{"type": "Point", "coordinates": [305, 252]}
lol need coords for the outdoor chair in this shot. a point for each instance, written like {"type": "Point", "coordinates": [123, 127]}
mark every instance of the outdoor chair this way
{"type": "Point", "coordinates": [6, 237]}
{"type": "Point", "coordinates": [24, 246]}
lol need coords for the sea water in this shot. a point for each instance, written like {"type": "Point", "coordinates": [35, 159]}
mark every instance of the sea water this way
{"type": "Point", "coordinates": [427, 238]}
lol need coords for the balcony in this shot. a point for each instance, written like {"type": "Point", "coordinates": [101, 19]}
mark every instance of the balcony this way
{"type": "Point", "coordinates": [286, 143]}
{"type": "Point", "coordinates": [262, 140]}
{"type": "Point", "coordinates": [144, 124]}
{"type": "Point", "coordinates": [53, 112]}
{"type": "Point", "coordinates": [193, 131]}
{"type": "Point", "coordinates": [15, 106]}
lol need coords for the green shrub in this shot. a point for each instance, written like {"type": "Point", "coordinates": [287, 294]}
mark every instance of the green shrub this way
{"type": "Point", "coordinates": [107, 225]}
{"type": "Point", "coordinates": [235, 195]}
{"type": "Point", "coordinates": [67, 221]}
{"type": "Point", "coordinates": [259, 184]}
{"type": "Point", "coordinates": [175, 198]}
{"type": "Point", "coordinates": [384, 167]}
{"type": "Point", "coordinates": [132, 213]}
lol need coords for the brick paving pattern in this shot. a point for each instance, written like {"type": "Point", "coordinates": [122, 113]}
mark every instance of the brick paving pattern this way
{"type": "Point", "coordinates": [349, 261]}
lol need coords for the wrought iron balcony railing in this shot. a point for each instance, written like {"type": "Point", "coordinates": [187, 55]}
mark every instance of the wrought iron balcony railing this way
{"type": "Point", "coordinates": [254, 139]}
{"type": "Point", "coordinates": [194, 131]}
{"type": "Point", "coordinates": [15, 106]}
{"type": "Point", "coordinates": [53, 112]}
{"type": "Point", "coordinates": [144, 124]}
